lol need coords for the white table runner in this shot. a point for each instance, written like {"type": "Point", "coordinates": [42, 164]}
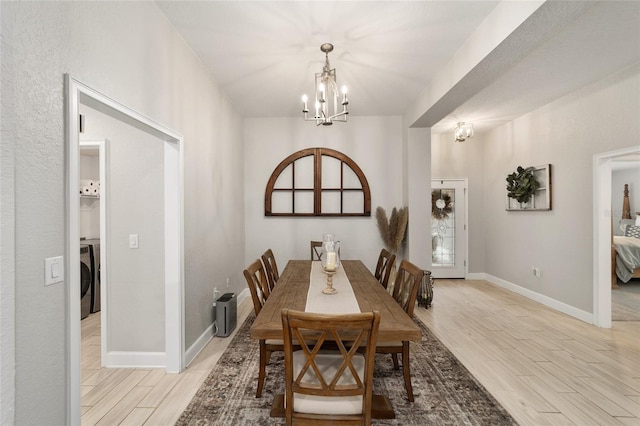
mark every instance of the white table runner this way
{"type": "Point", "coordinates": [342, 302]}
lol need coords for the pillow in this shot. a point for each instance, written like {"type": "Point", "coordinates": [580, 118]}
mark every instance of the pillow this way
{"type": "Point", "coordinates": [632, 231]}
{"type": "Point", "coordinates": [624, 223]}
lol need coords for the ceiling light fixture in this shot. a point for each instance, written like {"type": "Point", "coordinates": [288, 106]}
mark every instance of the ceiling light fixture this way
{"type": "Point", "coordinates": [327, 95]}
{"type": "Point", "coordinates": [463, 131]}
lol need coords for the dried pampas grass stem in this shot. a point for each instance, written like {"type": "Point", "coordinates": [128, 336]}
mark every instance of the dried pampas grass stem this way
{"type": "Point", "coordinates": [392, 230]}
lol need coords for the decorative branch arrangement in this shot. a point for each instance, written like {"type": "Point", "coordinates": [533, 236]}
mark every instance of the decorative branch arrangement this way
{"type": "Point", "coordinates": [392, 230]}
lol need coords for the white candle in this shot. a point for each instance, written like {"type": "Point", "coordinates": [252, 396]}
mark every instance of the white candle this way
{"type": "Point", "coordinates": [331, 261]}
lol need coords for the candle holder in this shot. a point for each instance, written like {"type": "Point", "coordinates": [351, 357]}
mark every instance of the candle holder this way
{"type": "Point", "coordinates": [330, 260]}
{"type": "Point", "coordinates": [329, 288]}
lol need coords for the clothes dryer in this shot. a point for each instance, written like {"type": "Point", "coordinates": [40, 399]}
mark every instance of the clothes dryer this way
{"type": "Point", "coordinates": [86, 279]}
{"type": "Point", "coordinates": [95, 288]}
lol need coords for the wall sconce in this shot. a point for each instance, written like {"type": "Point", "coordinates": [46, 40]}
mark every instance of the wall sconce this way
{"type": "Point", "coordinates": [463, 131]}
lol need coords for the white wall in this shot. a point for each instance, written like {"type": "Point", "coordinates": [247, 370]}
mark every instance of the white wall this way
{"type": "Point", "coordinates": [128, 51]}
{"type": "Point", "coordinates": [566, 133]}
{"type": "Point", "coordinates": [417, 178]}
{"type": "Point", "coordinates": [135, 184]}
{"type": "Point", "coordinates": [7, 226]}
{"type": "Point", "coordinates": [374, 143]}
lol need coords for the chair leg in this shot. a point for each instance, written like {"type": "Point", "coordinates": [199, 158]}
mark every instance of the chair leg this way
{"type": "Point", "coordinates": [394, 357]}
{"type": "Point", "coordinates": [263, 367]}
{"type": "Point", "coordinates": [406, 370]}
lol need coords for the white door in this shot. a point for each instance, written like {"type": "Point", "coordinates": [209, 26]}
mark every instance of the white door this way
{"type": "Point", "coordinates": [448, 228]}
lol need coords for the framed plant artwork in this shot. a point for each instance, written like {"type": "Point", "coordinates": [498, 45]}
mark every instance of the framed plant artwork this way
{"type": "Point", "coordinates": [529, 188]}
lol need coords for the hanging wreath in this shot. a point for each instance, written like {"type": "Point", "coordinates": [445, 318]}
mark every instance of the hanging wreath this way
{"type": "Point", "coordinates": [440, 204]}
{"type": "Point", "coordinates": [522, 184]}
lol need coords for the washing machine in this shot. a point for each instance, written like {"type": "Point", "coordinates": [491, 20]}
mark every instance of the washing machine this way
{"type": "Point", "coordinates": [86, 280]}
{"type": "Point", "coordinates": [94, 244]}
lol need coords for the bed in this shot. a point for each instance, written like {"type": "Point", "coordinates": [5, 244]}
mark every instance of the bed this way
{"type": "Point", "coordinates": [625, 253]}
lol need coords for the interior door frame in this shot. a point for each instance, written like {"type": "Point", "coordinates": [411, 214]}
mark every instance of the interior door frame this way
{"type": "Point", "coordinates": [77, 93]}
{"type": "Point", "coordinates": [102, 146]}
{"type": "Point", "coordinates": [465, 251]}
{"type": "Point", "coordinates": [602, 217]}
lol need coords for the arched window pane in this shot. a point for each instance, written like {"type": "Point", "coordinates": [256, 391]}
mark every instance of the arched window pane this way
{"type": "Point", "coordinates": [284, 180]}
{"type": "Point", "coordinates": [352, 201]}
{"type": "Point", "coordinates": [303, 202]}
{"type": "Point", "coordinates": [281, 202]}
{"type": "Point", "coordinates": [330, 172]}
{"type": "Point", "coordinates": [304, 173]}
{"type": "Point", "coordinates": [349, 178]}
{"type": "Point", "coordinates": [331, 202]}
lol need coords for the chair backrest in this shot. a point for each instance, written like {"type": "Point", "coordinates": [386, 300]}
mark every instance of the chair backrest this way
{"type": "Point", "coordinates": [386, 261]}
{"type": "Point", "coordinates": [320, 374]}
{"type": "Point", "coordinates": [316, 250]}
{"type": "Point", "coordinates": [258, 285]}
{"type": "Point", "coordinates": [406, 285]}
{"type": "Point", "coordinates": [270, 268]}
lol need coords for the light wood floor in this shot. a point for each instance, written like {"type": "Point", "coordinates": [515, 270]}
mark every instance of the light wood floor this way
{"type": "Point", "coordinates": [544, 367]}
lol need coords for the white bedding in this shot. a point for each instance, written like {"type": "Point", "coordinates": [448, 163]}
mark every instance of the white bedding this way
{"type": "Point", "coordinates": [627, 256]}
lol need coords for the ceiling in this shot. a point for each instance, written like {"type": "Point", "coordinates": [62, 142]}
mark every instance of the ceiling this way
{"type": "Point", "coordinates": [264, 54]}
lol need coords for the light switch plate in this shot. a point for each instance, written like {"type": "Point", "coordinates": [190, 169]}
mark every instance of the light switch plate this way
{"type": "Point", "coordinates": [133, 241]}
{"type": "Point", "coordinates": [53, 270]}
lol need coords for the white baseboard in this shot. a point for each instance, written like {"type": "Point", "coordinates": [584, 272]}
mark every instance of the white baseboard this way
{"type": "Point", "coordinates": [243, 295]}
{"type": "Point", "coordinates": [198, 345]}
{"type": "Point", "coordinates": [476, 276]}
{"type": "Point", "coordinates": [540, 298]}
{"type": "Point", "coordinates": [120, 359]}
{"type": "Point", "coordinates": [208, 334]}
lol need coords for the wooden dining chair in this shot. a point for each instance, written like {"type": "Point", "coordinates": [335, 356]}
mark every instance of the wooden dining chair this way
{"type": "Point", "coordinates": [270, 268]}
{"type": "Point", "coordinates": [316, 250]}
{"type": "Point", "coordinates": [405, 292]}
{"type": "Point", "coordinates": [329, 386]}
{"type": "Point", "coordinates": [386, 262]}
{"type": "Point", "coordinates": [259, 287]}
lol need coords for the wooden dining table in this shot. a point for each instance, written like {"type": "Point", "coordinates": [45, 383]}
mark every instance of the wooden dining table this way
{"type": "Point", "coordinates": [292, 289]}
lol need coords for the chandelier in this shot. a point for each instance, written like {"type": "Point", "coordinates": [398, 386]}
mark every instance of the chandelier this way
{"type": "Point", "coordinates": [463, 132]}
{"type": "Point", "coordinates": [328, 99]}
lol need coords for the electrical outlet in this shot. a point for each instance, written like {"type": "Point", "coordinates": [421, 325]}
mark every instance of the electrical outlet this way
{"type": "Point", "coordinates": [227, 282]}
{"type": "Point", "coordinates": [537, 272]}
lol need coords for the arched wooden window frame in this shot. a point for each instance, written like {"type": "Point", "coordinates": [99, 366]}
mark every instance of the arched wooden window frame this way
{"type": "Point", "coordinates": [317, 189]}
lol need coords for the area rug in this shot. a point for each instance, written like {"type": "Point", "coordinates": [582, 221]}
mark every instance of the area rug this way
{"type": "Point", "coordinates": [445, 392]}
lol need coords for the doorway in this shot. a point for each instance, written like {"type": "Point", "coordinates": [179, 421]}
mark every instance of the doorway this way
{"type": "Point", "coordinates": [602, 224]}
{"type": "Point", "coordinates": [448, 228]}
{"type": "Point", "coordinates": [93, 210]}
{"type": "Point", "coordinates": [172, 358]}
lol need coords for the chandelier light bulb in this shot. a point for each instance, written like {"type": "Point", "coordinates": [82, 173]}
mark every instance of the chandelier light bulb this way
{"type": "Point", "coordinates": [345, 101]}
